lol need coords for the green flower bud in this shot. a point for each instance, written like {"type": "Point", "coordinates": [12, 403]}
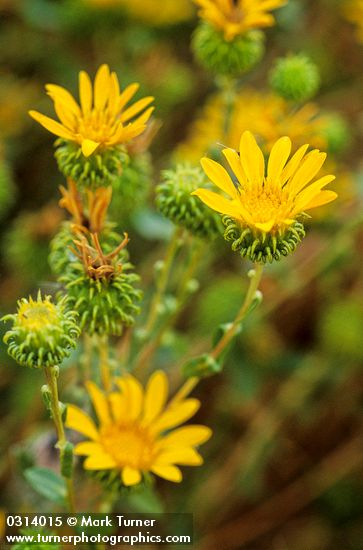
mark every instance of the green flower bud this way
{"type": "Point", "coordinates": [262, 247]}
{"type": "Point", "coordinates": [131, 189]}
{"type": "Point", "coordinates": [101, 169]}
{"type": "Point", "coordinates": [231, 58]}
{"type": "Point", "coordinates": [175, 202]}
{"type": "Point", "coordinates": [102, 292]}
{"type": "Point", "coordinates": [295, 78]}
{"type": "Point", "coordinates": [43, 332]}
{"type": "Point", "coordinates": [336, 132]}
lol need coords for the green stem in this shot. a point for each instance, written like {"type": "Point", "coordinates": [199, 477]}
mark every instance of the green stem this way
{"type": "Point", "coordinates": [255, 279]}
{"type": "Point", "coordinates": [147, 352]}
{"type": "Point", "coordinates": [162, 280]}
{"type": "Point", "coordinates": [104, 362]}
{"type": "Point", "coordinates": [51, 376]}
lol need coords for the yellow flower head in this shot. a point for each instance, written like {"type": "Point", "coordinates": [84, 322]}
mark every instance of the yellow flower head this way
{"type": "Point", "coordinates": [263, 113]}
{"type": "Point", "coordinates": [236, 17]}
{"type": "Point", "coordinates": [135, 432]}
{"type": "Point", "coordinates": [353, 12]}
{"type": "Point", "coordinates": [102, 119]}
{"type": "Point", "coordinates": [267, 203]}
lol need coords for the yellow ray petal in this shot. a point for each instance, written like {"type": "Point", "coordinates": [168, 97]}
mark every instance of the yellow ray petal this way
{"type": "Point", "coordinates": [102, 87]}
{"type": "Point", "coordinates": [136, 108]}
{"type": "Point", "coordinates": [293, 164]}
{"type": "Point", "coordinates": [114, 94]}
{"type": "Point", "coordinates": [219, 203]}
{"type": "Point", "coordinates": [87, 448]}
{"type": "Point", "coordinates": [156, 395]}
{"type": "Point", "coordinates": [307, 171]}
{"type": "Point", "coordinates": [65, 96]}
{"type": "Point", "coordinates": [130, 476]}
{"type": "Point", "coordinates": [89, 147]}
{"type": "Point", "coordinates": [118, 405]}
{"type": "Point", "coordinates": [80, 422]}
{"type": "Point", "coordinates": [85, 92]}
{"type": "Point", "coordinates": [311, 191]}
{"type": "Point", "coordinates": [99, 461]}
{"type": "Point", "coordinates": [52, 126]}
{"type": "Point", "coordinates": [176, 415]}
{"type": "Point", "coordinates": [100, 403]}
{"type": "Point", "coordinates": [171, 473]}
{"type": "Point", "coordinates": [183, 456]}
{"type": "Point", "coordinates": [324, 197]}
{"type": "Point", "coordinates": [219, 176]}
{"type": "Point", "coordinates": [279, 155]}
{"type": "Point", "coordinates": [126, 95]}
{"type": "Point", "coordinates": [252, 159]}
{"type": "Point", "coordinates": [266, 226]}
{"type": "Point", "coordinates": [187, 436]}
{"type": "Point", "coordinates": [234, 161]}
{"type": "Point", "coordinates": [66, 116]}
{"type": "Point", "coordinates": [134, 394]}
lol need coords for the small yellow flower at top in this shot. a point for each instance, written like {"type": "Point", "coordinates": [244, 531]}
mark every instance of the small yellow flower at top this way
{"type": "Point", "coordinates": [353, 12]}
{"type": "Point", "coordinates": [102, 119]}
{"type": "Point", "coordinates": [138, 431]}
{"type": "Point", "coordinates": [267, 204]}
{"type": "Point", "coordinates": [236, 17]}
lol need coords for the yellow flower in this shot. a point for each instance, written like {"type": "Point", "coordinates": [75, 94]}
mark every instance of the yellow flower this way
{"type": "Point", "coordinates": [236, 17]}
{"type": "Point", "coordinates": [265, 114]}
{"type": "Point", "coordinates": [353, 12]}
{"type": "Point", "coordinates": [136, 431]}
{"type": "Point", "coordinates": [267, 203]}
{"type": "Point", "coordinates": [148, 11]}
{"type": "Point", "coordinates": [102, 119]}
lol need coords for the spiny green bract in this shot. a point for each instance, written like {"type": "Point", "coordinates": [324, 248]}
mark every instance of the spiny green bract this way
{"type": "Point", "coordinates": [262, 247]}
{"type": "Point", "coordinates": [101, 169]}
{"type": "Point", "coordinates": [175, 202]}
{"type": "Point", "coordinates": [295, 78]}
{"type": "Point", "coordinates": [231, 58]}
{"type": "Point", "coordinates": [43, 333]}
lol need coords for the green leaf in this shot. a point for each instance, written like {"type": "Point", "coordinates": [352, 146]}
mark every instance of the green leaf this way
{"type": "Point", "coordinates": [47, 483]}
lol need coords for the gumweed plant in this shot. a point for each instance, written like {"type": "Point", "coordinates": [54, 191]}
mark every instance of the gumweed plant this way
{"type": "Point", "coordinates": [255, 186]}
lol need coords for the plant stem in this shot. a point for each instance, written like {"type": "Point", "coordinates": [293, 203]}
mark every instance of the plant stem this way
{"type": "Point", "coordinates": [251, 293]}
{"type": "Point", "coordinates": [51, 376]}
{"type": "Point", "coordinates": [148, 351]}
{"type": "Point", "coordinates": [104, 362]}
{"type": "Point", "coordinates": [162, 280]}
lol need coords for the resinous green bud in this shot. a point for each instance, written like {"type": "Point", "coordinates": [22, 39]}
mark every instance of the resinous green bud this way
{"type": "Point", "coordinates": [222, 57]}
{"type": "Point", "coordinates": [43, 333]}
{"type": "Point", "coordinates": [175, 201]}
{"type": "Point", "coordinates": [101, 169]}
{"type": "Point", "coordinates": [295, 78]}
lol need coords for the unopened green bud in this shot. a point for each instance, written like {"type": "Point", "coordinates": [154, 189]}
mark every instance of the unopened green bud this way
{"type": "Point", "coordinates": [222, 57]}
{"type": "Point", "coordinates": [295, 78]}
{"type": "Point", "coordinates": [175, 202]}
{"type": "Point", "coordinates": [66, 460]}
{"type": "Point", "coordinates": [43, 332]}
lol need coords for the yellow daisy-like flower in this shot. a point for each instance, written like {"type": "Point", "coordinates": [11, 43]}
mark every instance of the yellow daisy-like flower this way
{"type": "Point", "coordinates": [263, 113]}
{"type": "Point", "coordinates": [136, 432]}
{"type": "Point", "coordinates": [102, 119]}
{"type": "Point", "coordinates": [267, 203]}
{"type": "Point", "coordinates": [236, 17]}
{"type": "Point", "coordinates": [353, 12]}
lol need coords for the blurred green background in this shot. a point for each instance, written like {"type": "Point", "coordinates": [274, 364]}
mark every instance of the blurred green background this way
{"type": "Point", "coordinates": [284, 469]}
